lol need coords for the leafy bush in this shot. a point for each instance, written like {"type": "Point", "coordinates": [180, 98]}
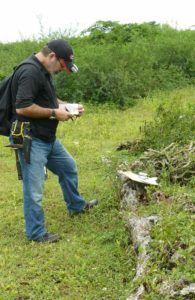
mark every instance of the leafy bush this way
{"type": "Point", "coordinates": [173, 123]}
{"type": "Point", "coordinates": [118, 63]}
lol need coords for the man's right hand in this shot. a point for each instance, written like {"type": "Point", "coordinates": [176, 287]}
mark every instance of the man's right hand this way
{"type": "Point", "coordinates": [62, 114]}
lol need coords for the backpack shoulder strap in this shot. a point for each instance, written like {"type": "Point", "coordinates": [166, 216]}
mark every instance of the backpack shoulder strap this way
{"type": "Point", "coordinates": [28, 61]}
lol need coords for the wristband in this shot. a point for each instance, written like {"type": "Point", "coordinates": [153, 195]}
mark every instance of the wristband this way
{"type": "Point", "coordinates": [53, 115]}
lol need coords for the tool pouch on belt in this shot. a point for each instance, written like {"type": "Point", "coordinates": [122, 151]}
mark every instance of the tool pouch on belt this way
{"type": "Point", "coordinates": [20, 133]}
{"type": "Point", "coordinates": [27, 140]}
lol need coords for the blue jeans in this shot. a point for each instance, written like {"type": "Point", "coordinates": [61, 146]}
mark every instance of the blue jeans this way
{"type": "Point", "coordinates": [57, 159]}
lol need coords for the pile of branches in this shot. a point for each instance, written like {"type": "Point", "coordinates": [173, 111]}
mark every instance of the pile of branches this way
{"type": "Point", "coordinates": [177, 161]}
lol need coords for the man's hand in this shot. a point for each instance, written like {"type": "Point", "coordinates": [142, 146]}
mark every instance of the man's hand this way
{"type": "Point", "coordinates": [76, 110]}
{"type": "Point", "coordinates": [62, 114]}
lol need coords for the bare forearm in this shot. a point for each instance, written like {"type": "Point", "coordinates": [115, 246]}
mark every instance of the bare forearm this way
{"type": "Point", "coordinates": [38, 112]}
{"type": "Point", "coordinates": [34, 111]}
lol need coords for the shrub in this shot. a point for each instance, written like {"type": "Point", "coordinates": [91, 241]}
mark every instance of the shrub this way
{"type": "Point", "coordinates": [118, 63]}
{"type": "Point", "coordinates": [173, 123]}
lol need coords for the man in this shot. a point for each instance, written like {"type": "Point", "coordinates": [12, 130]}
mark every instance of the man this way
{"type": "Point", "coordinates": [37, 107]}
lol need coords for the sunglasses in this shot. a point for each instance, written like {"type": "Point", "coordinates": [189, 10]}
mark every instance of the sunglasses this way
{"type": "Point", "coordinates": [68, 66]}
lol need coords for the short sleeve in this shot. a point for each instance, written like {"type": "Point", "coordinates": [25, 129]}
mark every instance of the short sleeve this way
{"type": "Point", "coordinates": [29, 83]}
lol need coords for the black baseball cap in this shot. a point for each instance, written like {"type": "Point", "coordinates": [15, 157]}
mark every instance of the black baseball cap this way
{"type": "Point", "coordinates": [63, 50]}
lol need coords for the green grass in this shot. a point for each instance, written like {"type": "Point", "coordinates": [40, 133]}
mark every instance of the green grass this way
{"type": "Point", "coordinates": [94, 258]}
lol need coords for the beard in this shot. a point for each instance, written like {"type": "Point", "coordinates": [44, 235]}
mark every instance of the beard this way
{"type": "Point", "coordinates": [56, 72]}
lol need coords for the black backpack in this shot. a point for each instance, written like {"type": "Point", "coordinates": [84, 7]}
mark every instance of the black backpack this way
{"type": "Point", "coordinates": [7, 110]}
{"type": "Point", "coordinates": [5, 106]}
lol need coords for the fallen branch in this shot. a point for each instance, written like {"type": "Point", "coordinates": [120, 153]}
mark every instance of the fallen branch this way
{"type": "Point", "coordinates": [132, 191]}
{"type": "Point", "coordinates": [132, 194]}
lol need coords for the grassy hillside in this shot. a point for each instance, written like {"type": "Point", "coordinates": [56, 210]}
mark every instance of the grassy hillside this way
{"type": "Point", "coordinates": [95, 257]}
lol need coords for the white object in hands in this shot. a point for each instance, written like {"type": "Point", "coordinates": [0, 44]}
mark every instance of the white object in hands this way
{"type": "Point", "coordinates": [72, 108]}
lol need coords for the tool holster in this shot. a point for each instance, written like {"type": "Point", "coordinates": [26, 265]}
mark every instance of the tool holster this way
{"type": "Point", "coordinates": [20, 135]}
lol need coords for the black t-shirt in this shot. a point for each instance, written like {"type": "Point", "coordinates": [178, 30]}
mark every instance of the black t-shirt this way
{"type": "Point", "coordinates": [33, 85]}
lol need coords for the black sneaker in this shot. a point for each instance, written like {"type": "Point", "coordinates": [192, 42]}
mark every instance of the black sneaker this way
{"type": "Point", "coordinates": [90, 204]}
{"type": "Point", "coordinates": [48, 238]}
